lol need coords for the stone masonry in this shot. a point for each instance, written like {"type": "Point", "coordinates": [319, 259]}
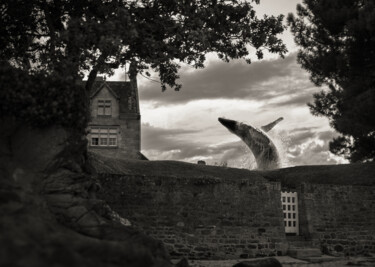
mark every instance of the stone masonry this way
{"type": "Point", "coordinates": [114, 128]}
{"type": "Point", "coordinates": [339, 218]}
{"type": "Point", "coordinates": [202, 218]}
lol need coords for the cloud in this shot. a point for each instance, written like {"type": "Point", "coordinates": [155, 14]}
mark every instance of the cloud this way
{"type": "Point", "coordinates": [180, 144]}
{"type": "Point", "coordinates": [261, 80]}
{"type": "Point", "coordinates": [301, 99]}
{"type": "Point", "coordinates": [301, 136]}
{"type": "Point", "coordinates": [305, 146]}
{"type": "Point", "coordinates": [311, 147]}
{"type": "Point", "coordinates": [314, 153]}
{"type": "Point", "coordinates": [157, 138]}
{"type": "Point", "coordinates": [185, 123]}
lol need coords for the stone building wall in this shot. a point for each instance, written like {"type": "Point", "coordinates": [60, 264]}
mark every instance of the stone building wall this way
{"type": "Point", "coordinates": [129, 137]}
{"type": "Point", "coordinates": [124, 118]}
{"type": "Point", "coordinates": [339, 218]}
{"type": "Point", "coordinates": [104, 94]}
{"type": "Point", "coordinates": [205, 218]}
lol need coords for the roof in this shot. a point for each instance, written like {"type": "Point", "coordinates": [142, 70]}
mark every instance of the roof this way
{"type": "Point", "coordinates": [122, 91]}
{"type": "Point", "coordinates": [100, 86]}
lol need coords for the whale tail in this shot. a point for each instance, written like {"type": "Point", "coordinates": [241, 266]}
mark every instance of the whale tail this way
{"type": "Point", "coordinates": [268, 127]}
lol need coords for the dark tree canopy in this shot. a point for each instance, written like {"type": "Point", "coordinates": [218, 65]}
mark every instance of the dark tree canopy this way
{"type": "Point", "coordinates": [67, 38]}
{"type": "Point", "coordinates": [337, 40]}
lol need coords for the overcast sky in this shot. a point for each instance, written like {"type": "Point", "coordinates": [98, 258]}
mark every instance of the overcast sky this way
{"type": "Point", "coordinates": [183, 125]}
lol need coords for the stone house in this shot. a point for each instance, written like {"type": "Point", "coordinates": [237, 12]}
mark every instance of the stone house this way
{"type": "Point", "coordinates": [114, 129]}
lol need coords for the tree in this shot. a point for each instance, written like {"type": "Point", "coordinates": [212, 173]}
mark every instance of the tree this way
{"type": "Point", "coordinates": [98, 36]}
{"type": "Point", "coordinates": [46, 48]}
{"type": "Point", "coordinates": [337, 48]}
{"type": "Point", "coordinates": [67, 39]}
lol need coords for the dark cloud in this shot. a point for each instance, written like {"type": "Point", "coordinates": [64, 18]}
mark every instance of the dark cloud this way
{"type": "Point", "coordinates": [301, 136]}
{"type": "Point", "coordinates": [297, 100]}
{"type": "Point", "coordinates": [328, 135]}
{"type": "Point", "coordinates": [177, 145]}
{"type": "Point", "coordinates": [304, 129]}
{"type": "Point", "coordinates": [306, 146]}
{"type": "Point", "coordinates": [260, 80]}
{"type": "Point", "coordinates": [309, 147]}
{"type": "Point", "coordinates": [313, 154]}
{"type": "Point", "coordinates": [163, 139]}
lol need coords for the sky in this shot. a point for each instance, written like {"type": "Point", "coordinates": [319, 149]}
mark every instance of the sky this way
{"type": "Point", "coordinates": [184, 125]}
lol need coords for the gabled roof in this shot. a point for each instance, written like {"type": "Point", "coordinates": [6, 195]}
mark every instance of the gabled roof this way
{"type": "Point", "coordinates": [96, 89]}
{"type": "Point", "coordinates": [121, 90]}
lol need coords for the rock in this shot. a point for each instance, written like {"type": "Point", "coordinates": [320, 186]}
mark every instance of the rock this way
{"type": "Point", "coordinates": [267, 262]}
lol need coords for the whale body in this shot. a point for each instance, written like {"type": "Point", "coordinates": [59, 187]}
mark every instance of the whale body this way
{"type": "Point", "coordinates": [260, 144]}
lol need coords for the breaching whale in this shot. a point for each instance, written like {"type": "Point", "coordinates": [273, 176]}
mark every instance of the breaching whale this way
{"type": "Point", "coordinates": [260, 144]}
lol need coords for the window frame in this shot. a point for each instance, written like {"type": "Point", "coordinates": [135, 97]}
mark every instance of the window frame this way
{"type": "Point", "coordinates": [104, 136]}
{"type": "Point", "coordinates": [104, 107]}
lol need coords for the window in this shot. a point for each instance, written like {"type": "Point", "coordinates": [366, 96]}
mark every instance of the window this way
{"type": "Point", "coordinates": [94, 141]}
{"type": "Point", "coordinates": [104, 137]}
{"type": "Point", "coordinates": [289, 202]}
{"type": "Point", "coordinates": [104, 107]}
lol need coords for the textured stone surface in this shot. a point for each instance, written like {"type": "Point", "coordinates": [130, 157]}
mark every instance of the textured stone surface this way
{"type": "Point", "coordinates": [340, 218]}
{"type": "Point", "coordinates": [211, 212]}
{"type": "Point", "coordinates": [201, 217]}
{"type": "Point", "coordinates": [125, 117]}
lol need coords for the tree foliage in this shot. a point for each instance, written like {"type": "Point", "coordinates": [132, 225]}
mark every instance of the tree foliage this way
{"type": "Point", "coordinates": [337, 40]}
{"type": "Point", "coordinates": [68, 38]}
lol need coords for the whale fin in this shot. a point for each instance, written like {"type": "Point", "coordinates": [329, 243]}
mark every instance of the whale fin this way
{"type": "Point", "coordinates": [268, 127]}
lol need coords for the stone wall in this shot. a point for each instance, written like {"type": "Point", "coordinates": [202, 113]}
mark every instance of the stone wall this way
{"type": "Point", "coordinates": [209, 212]}
{"type": "Point", "coordinates": [339, 218]}
{"type": "Point", "coordinates": [205, 218]}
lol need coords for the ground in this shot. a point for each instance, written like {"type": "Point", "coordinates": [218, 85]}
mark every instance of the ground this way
{"type": "Point", "coordinates": [286, 261]}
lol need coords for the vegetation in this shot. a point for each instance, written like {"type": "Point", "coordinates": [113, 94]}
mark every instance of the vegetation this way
{"type": "Point", "coordinates": [60, 41]}
{"type": "Point", "coordinates": [337, 41]}
{"type": "Point", "coordinates": [46, 48]}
